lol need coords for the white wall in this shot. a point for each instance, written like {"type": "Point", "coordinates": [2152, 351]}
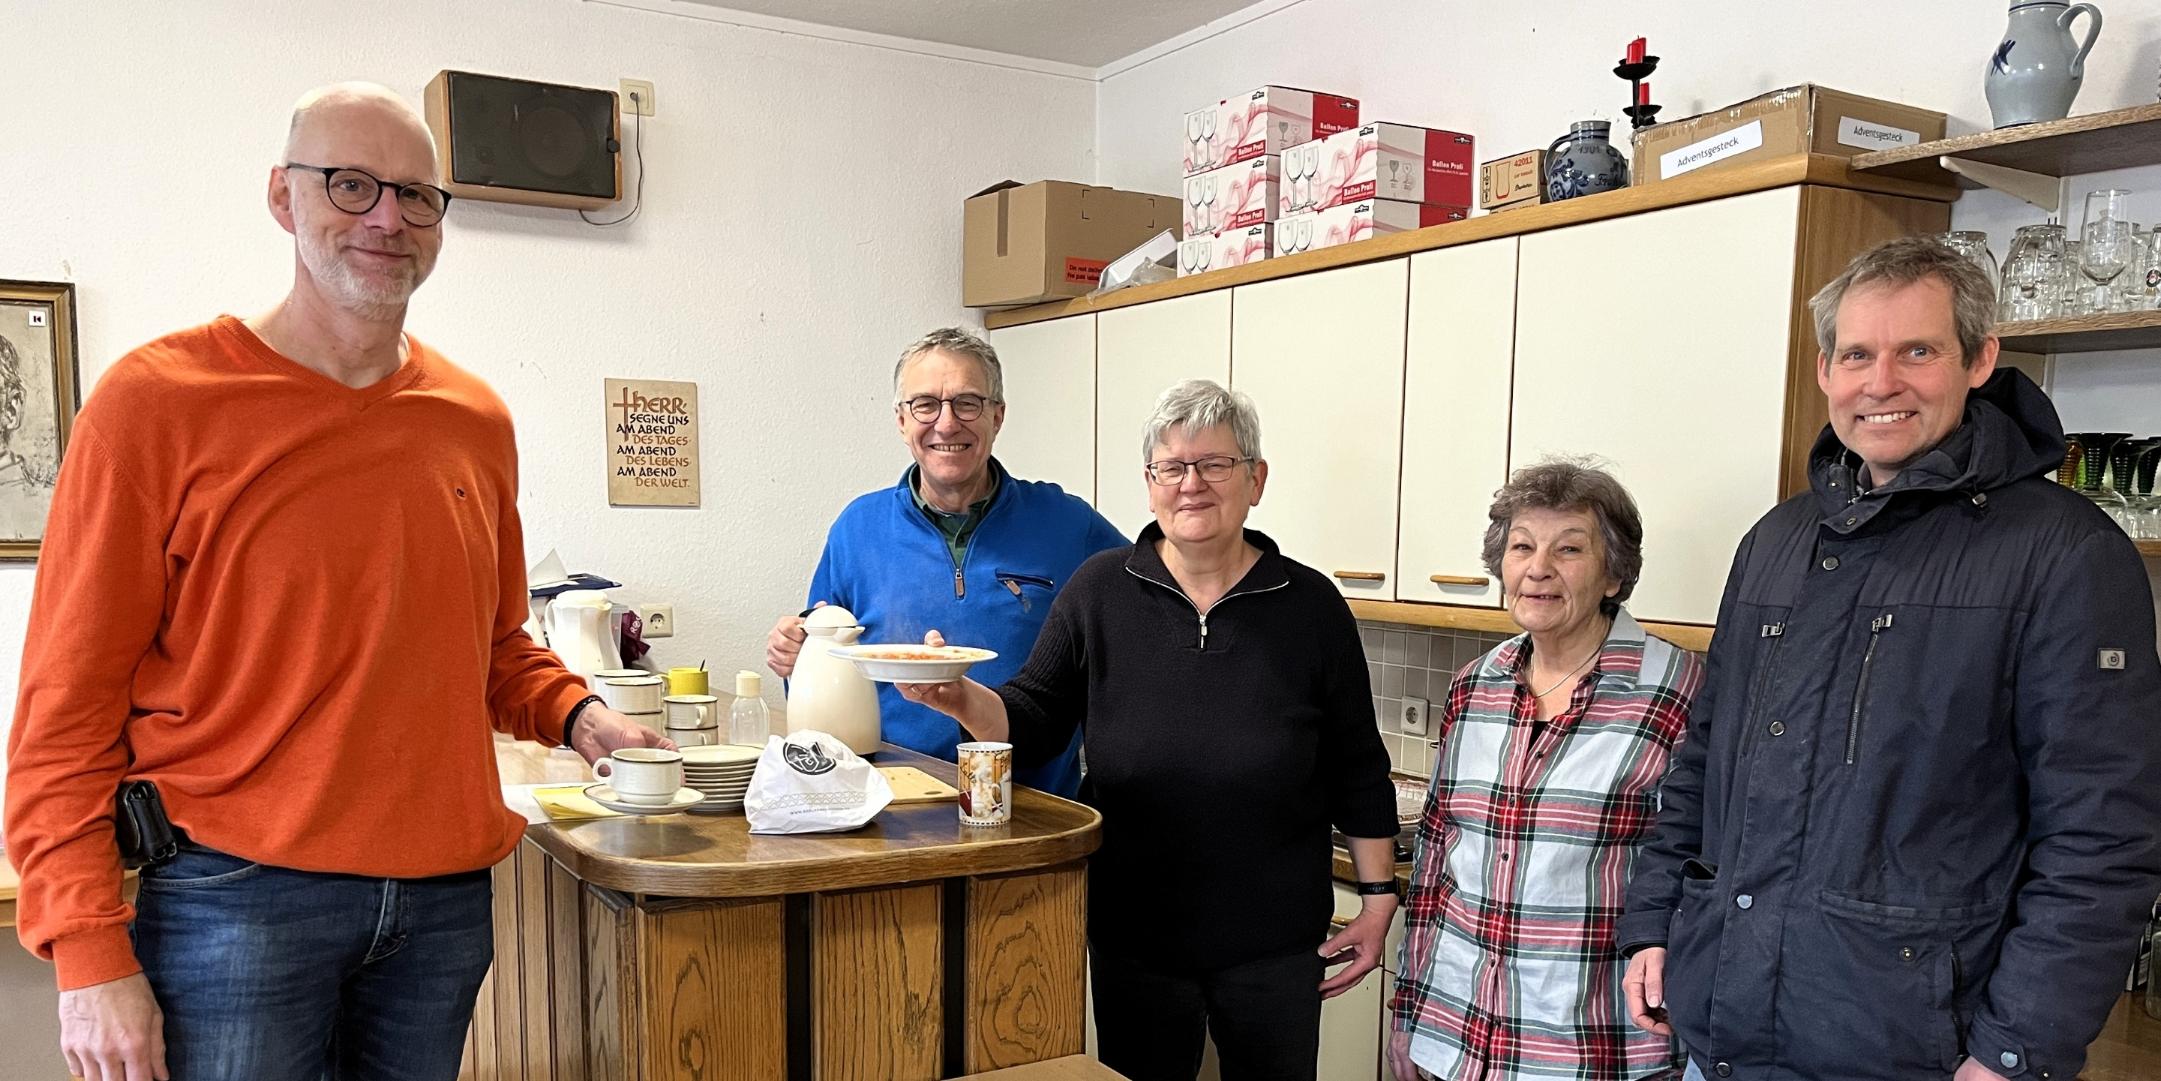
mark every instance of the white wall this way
{"type": "Point", "coordinates": [1515, 75]}
{"type": "Point", "coordinates": [801, 225]}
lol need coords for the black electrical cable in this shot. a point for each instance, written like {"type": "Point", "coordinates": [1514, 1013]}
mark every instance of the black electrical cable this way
{"type": "Point", "coordinates": [637, 201]}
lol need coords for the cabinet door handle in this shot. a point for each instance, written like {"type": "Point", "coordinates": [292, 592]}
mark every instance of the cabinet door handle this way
{"type": "Point", "coordinates": [1478, 580]}
{"type": "Point", "coordinates": [1361, 576]}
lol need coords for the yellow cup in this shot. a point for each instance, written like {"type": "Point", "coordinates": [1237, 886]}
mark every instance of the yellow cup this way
{"type": "Point", "coordinates": [687, 681]}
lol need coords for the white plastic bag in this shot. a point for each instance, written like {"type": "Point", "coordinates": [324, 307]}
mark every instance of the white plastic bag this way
{"type": "Point", "coordinates": [810, 782]}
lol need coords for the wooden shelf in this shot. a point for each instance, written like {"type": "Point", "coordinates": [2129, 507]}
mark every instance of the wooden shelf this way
{"type": "Point", "coordinates": [2151, 549]}
{"type": "Point", "coordinates": [1494, 621]}
{"type": "Point", "coordinates": [2084, 333]}
{"type": "Point", "coordinates": [1826, 170]}
{"type": "Point", "coordinates": [2119, 139]}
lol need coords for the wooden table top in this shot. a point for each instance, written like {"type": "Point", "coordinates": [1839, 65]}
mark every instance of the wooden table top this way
{"type": "Point", "coordinates": [687, 855]}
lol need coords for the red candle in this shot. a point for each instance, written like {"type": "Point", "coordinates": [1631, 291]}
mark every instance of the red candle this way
{"type": "Point", "coordinates": [1643, 93]}
{"type": "Point", "coordinates": [1635, 51]}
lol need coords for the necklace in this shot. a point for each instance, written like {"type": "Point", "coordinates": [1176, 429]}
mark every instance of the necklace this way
{"type": "Point", "coordinates": [1536, 693]}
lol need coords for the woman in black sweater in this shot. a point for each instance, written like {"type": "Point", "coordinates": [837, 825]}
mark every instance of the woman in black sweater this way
{"type": "Point", "coordinates": [1226, 722]}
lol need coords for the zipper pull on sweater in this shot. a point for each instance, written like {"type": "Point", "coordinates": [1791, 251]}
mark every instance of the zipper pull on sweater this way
{"type": "Point", "coordinates": [960, 584]}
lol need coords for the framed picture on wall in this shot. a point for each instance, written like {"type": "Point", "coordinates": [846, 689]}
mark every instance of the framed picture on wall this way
{"type": "Point", "coordinates": [40, 391]}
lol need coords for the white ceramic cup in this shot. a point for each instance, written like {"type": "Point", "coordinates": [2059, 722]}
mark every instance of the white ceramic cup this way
{"type": "Point", "coordinates": [986, 783]}
{"type": "Point", "coordinates": [692, 711]}
{"type": "Point", "coordinates": [642, 774]}
{"type": "Point", "coordinates": [632, 694]}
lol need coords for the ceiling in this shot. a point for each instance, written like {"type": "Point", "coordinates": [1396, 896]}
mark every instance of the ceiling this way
{"type": "Point", "coordinates": [1089, 34]}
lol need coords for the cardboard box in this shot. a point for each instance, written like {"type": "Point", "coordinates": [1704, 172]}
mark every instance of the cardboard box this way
{"type": "Point", "coordinates": [1026, 243]}
{"type": "Point", "coordinates": [1214, 251]}
{"type": "Point", "coordinates": [1379, 161]}
{"type": "Point", "coordinates": [1512, 181]}
{"type": "Point", "coordinates": [1799, 119]}
{"type": "Point", "coordinates": [1232, 197]}
{"type": "Point", "coordinates": [1313, 230]}
{"type": "Point", "coordinates": [1267, 121]}
{"type": "Point", "coordinates": [1204, 150]}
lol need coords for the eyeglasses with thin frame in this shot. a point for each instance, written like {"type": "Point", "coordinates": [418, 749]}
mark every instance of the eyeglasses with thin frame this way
{"type": "Point", "coordinates": [927, 407]}
{"type": "Point", "coordinates": [356, 191]}
{"type": "Point", "coordinates": [1214, 469]}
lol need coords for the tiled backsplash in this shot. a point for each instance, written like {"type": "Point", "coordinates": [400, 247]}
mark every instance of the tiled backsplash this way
{"type": "Point", "coordinates": [1414, 662]}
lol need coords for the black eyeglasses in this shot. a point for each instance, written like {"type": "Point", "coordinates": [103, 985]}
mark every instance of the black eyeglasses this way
{"type": "Point", "coordinates": [356, 191]}
{"type": "Point", "coordinates": [926, 407]}
{"type": "Point", "coordinates": [1214, 470]}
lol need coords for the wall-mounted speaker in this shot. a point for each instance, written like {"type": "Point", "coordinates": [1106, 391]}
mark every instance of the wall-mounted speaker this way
{"type": "Point", "coordinates": [515, 141]}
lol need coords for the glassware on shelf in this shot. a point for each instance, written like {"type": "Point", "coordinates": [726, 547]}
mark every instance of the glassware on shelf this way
{"type": "Point", "coordinates": [1973, 244]}
{"type": "Point", "coordinates": [2106, 247]}
{"type": "Point", "coordinates": [2073, 294]}
{"type": "Point", "coordinates": [2146, 293]}
{"type": "Point", "coordinates": [2033, 275]}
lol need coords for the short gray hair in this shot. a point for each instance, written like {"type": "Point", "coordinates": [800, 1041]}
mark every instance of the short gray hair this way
{"type": "Point", "coordinates": [960, 342]}
{"type": "Point", "coordinates": [1573, 484]}
{"type": "Point", "coordinates": [1903, 262]}
{"type": "Point", "coordinates": [1198, 405]}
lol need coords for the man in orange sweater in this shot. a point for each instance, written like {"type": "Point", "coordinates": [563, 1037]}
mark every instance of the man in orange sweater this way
{"type": "Point", "coordinates": [284, 581]}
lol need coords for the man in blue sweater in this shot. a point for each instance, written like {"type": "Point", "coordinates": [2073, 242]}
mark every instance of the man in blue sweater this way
{"type": "Point", "coordinates": [959, 544]}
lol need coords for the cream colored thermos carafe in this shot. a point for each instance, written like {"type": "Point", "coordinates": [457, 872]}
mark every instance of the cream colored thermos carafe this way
{"type": "Point", "coordinates": [826, 693]}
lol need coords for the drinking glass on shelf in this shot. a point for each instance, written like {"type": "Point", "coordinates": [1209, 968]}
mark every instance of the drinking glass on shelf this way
{"type": "Point", "coordinates": [1973, 244]}
{"type": "Point", "coordinates": [2072, 295]}
{"type": "Point", "coordinates": [2033, 275]}
{"type": "Point", "coordinates": [2106, 247]}
{"type": "Point", "coordinates": [2146, 292]}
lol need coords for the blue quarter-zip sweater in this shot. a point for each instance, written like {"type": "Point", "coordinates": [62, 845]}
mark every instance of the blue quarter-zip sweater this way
{"type": "Point", "coordinates": [886, 562]}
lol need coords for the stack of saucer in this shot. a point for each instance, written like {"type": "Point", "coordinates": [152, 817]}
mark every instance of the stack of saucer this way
{"type": "Point", "coordinates": [722, 773]}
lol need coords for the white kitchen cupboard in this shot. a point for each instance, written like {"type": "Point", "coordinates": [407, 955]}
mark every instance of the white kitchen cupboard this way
{"type": "Point", "coordinates": [1678, 383]}
{"type": "Point", "coordinates": [1457, 372]}
{"type": "Point", "coordinates": [1140, 352]}
{"type": "Point", "coordinates": [1646, 330]}
{"type": "Point", "coordinates": [1322, 357]}
{"type": "Point", "coordinates": [1049, 431]}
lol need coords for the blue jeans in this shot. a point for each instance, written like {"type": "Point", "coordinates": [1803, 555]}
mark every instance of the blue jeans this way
{"type": "Point", "coordinates": [1693, 1074]}
{"type": "Point", "coordinates": [281, 975]}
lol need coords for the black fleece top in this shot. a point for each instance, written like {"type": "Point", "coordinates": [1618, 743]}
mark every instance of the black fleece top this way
{"type": "Point", "coordinates": [1220, 747]}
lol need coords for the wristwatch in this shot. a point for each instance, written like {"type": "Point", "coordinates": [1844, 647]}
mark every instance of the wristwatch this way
{"type": "Point", "coordinates": [1375, 889]}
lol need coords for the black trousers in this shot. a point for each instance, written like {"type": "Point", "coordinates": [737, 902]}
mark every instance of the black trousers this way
{"type": "Point", "coordinates": [1265, 1017]}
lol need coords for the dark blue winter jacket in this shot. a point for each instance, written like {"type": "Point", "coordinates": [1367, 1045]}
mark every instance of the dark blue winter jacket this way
{"type": "Point", "coordinates": [1915, 817]}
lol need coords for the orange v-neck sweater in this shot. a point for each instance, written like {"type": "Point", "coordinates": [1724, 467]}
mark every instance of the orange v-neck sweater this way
{"type": "Point", "coordinates": [295, 606]}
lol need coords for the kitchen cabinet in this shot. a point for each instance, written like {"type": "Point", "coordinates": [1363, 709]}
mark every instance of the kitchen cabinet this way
{"type": "Point", "coordinates": [1049, 371]}
{"type": "Point", "coordinates": [1678, 387]}
{"type": "Point", "coordinates": [1458, 365]}
{"type": "Point", "coordinates": [1322, 357]}
{"type": "Point", "coordinates": [1663, 329]}
{"type": "Point", "coordinates": [1141, 352]}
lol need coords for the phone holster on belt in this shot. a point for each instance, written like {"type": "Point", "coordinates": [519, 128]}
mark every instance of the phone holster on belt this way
{"type": "Point", "coordinates": [144, 834]}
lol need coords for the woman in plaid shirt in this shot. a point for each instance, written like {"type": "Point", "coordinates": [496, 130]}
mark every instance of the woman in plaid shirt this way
{"type": "Point", "coordinates": [1551, 750]}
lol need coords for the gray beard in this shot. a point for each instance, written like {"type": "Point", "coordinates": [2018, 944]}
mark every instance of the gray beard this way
{"type": "Point", "coordinates": [353, 293]}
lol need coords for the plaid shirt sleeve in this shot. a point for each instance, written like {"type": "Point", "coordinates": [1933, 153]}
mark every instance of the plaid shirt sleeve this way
{"type": "Point", "coordinates": [1422, 902]}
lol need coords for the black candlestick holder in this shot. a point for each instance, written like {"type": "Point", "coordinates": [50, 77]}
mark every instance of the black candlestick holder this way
{"type": "Point", "coordinates": [1640, 116]}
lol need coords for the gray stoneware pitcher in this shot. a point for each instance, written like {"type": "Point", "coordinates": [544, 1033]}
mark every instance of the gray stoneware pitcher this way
{"type": "Point", "coordinates": [1582, 162]}
{"type": "Point", "coordinates": [2037, 70]}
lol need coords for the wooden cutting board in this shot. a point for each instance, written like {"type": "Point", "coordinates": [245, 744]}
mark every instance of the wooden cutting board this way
{"type": "Point", "coordinates": [911, 785]}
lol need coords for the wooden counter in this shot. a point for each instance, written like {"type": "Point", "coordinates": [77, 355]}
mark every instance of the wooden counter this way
{"type": "Point", "coordinates": [681, 946]}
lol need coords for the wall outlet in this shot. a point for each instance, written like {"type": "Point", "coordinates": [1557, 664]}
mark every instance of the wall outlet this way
{"type": "Point", "coordinates": [659, 619]}
{"type": "Point", "coordinates": [1413, 718]}
{"type": "Point", "coordinates": [644, 105]}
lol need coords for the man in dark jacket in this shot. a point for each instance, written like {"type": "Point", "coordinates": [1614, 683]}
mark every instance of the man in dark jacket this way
{"type": "Point", "coordinates": [1912, 832]}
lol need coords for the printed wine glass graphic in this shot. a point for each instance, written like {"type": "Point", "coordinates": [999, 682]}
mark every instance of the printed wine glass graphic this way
{"type": "Point", "coordinates": [1293, 163]}
{"type": "Point", "coordinates": [1395, 167]}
